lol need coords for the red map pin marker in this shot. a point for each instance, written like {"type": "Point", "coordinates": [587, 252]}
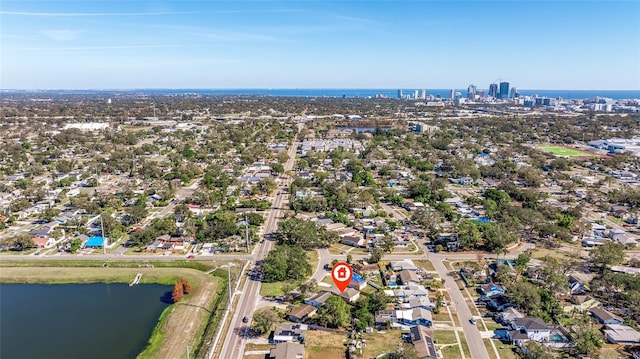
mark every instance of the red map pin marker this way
{"type": "Point", "coordinates": [342, 274]}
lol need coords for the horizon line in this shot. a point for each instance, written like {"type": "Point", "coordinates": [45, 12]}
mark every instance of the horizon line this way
{"type": "Point", "coordinates": [285, 88]}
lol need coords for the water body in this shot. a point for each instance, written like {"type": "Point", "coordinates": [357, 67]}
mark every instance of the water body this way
{"type": "Point", "coordinates": [69, 321]}
{"type": "Point", "coordinates": [347, 93]}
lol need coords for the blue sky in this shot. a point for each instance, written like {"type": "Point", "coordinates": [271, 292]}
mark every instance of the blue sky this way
{"type": "Point", "coordinates": [317, 44]}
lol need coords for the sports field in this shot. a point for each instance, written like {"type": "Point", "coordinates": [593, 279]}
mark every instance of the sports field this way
{"type": "Point", "coordinates": [565, 151]}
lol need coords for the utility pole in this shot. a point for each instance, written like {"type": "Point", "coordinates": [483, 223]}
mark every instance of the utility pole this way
{"type": "Point", "coordinates": [246, 231]}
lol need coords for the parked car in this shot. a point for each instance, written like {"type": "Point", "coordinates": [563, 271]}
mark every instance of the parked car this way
{"type": "Point", "coordinates": [472, 321]}
{"type": "Point", "coordinates": [245, 320]}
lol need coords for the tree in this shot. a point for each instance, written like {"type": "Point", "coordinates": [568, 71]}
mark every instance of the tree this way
{"type": "Point", "coordinates": [363, 318]}
{"type": "Point", "coordinates": [309, 287]}
{"type": "Point", "coordinates": [587, 338]}
{"type": "Point", "coordinates": [525, 295]}
{"type": "Point", "coordinates": [376, 255]}
{"type": "Point", "coordinates": [136, 213]}
{"type": "Point", "coordinates": [75, 244]}
{"type": "Point", "coordinates": [303, 233]}
{"type": "Point", "coordinates": [277, 168]}
{"type": "Point", "coordinates": [178, 292]}
{"type": "Point", "coordinates": [264, 321]}
{"type": "Point", "coordinates": [609, 253]}
{"type": "Point", "coordinates": [22, 242]}
{"type": "Point", "coordinates": [267, 185]}
{"type": "Point", "coordinates": [538, 351]}
{"type": "Point", "coordinates": [186, 287]}
{"type": "Point", "coordinates": [286, 262]}
{"type": "Point", "coordinates": [335, 311]}
{"type": "Point", "coordinates": [387, 243]}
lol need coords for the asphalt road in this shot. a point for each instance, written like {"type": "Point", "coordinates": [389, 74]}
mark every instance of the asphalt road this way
{"type": "Point", "coordinates": [233, 345]}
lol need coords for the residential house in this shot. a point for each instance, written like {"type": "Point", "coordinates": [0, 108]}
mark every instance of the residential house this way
{"type": "Point", "coordinates": [534, 328]}
{"type": "Point", "coordinates": [448, 240]}
{"type": "Point", "coordinates": [402, 265]}
{"type": "Point", "coordinates": [42, 232]}
{"type": "Point", "coordinates": [581, 303]}
{"type": "Point", "coordinates": [401, 318]}
{"type": "Point", "coordinates": [418, 302]}
{"type": "Point", "coordinates": [335, 227]}
{"type": "Point", "coordinates": [287, 351]}
{"type": "Point", "coordinates": [43, 242]}
{"type": "Point", "coordinates": [575, 286]}
{"type": "Point", "coordinates": [465, 181]}
{"type": "Point", "coordinates": [301, 312]}
{"type": "Point", "coordinates": [353, 241]}
{"type": "Point", "coordinates": [319, 299]}
{"type": "Point", "coordinates": [621, 334]}
{"type": "Point", "coordinates": [422, 340]}
{"type": "Point", "coordinates": [499, 303]}
{"type": "Point", "coordinates": [195, 208]}
{"type": "Point", "coordinates": [489, 290]}
{"type": "Point", "coordinates": [510, 314]}
{"type": "Point", "coordinates": [620, 211]}
{"type": "Point", "coordinates": [415, 316]}
{"type": "Point", "coordinates": [350, 295]}
{"type": "Point", "coordinates": [605, 316]}
{"type": "Point", "coordinates": [369, 268]}
{"type": "Point", "coordinates": [289, 332]}
{"type": "Point", "coordinates": [385, 317]}
{"type": "Point", "coordinates": [408, 277]}
{"type": "Point", "coordinates": [357, 282]}
{"type": "Point", "coordinates": [407, 292]}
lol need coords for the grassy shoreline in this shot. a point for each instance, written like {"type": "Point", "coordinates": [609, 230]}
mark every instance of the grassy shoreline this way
{"type": "Point", "coordinates": [72, 273]}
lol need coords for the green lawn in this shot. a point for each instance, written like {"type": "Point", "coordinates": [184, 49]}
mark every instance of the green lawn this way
{"type": "Point", "coordinates": [564, 151]}
{"type": "Point", "coordinates": [271, 289]}
{"type": "Point", "coordinates": [443, 336]}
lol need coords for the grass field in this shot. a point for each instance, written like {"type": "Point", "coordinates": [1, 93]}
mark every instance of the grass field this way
{"type": "Point", "coordinates": [565, 151]}
{"type": "Point", "coordinates": [381, 341]}
{"type": "Point", "coordinates": [324, 345]}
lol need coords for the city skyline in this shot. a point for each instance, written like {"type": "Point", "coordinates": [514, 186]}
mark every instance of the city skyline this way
{"type": "Point", "coordinates": [407, 44]}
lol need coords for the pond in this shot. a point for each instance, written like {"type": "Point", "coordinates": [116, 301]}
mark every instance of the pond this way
{"type": "Point", "coordinates": [99, 321]}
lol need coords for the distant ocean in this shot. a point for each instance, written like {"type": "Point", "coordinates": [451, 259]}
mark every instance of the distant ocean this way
{"type": "Point", "coordinates": [348, 93]}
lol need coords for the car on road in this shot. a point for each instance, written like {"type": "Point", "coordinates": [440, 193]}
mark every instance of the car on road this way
{"type": "Point", "coordinates": [191, 256]}
{"type": "Point", "coordinates": [472, 321]}
{"type": "Point", "coordinates": [245, 320]}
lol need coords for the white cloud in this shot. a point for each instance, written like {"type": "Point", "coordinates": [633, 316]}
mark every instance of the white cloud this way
{"type": "Point", "coordinates": [61, 35]}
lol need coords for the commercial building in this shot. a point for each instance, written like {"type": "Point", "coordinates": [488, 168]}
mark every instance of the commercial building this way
{"type": "Point", "coordinates": [493, 90]}
{"type": "Point", "coordinates": [504, 90]}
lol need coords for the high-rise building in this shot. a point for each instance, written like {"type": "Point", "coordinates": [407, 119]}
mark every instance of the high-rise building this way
{"type": "Point", "coordinates": [400, 93]}
{"type": "Point", "coordinates": [453, 94]}
{"type": "Point", "coordinates": [493, 90]}
{"type": "Point", "coordinates": [514, 93]}
{"type": "Point", "coordinates": [424, 94]}
{"type": "Point", "coordinates": [504, 91]}
{"type": "Point", "coordinates": [471, 92]}
{"type": "Point", "coordinates": [415, 94]}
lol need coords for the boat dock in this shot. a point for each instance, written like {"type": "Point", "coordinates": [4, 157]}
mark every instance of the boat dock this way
{"type": "Point", "coordinates": [136, 280]}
